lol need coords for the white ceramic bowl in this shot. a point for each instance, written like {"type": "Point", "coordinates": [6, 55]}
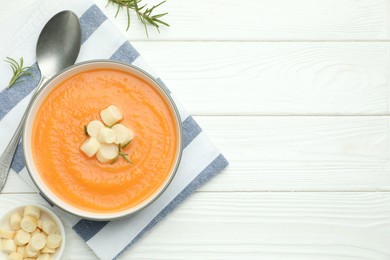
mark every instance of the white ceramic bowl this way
{"type": "Point", "coordinates": [45, 213]}
{"type": "Point", "coordinates": [43, 93]}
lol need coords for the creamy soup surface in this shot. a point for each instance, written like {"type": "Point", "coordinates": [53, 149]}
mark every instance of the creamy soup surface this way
{"type": "Point", "coordinates": [84, 182]}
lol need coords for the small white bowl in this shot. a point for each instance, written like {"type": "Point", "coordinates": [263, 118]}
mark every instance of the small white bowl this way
{"type": "Point", "coordinates": [45, 213]}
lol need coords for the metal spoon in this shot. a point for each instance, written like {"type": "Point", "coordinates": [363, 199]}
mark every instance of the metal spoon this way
{"type": "Point", "coordinates": [57, 48]}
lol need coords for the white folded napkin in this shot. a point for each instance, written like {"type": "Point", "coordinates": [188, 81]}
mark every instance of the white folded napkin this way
{"type": "Point", "coordinates": [101, 40]}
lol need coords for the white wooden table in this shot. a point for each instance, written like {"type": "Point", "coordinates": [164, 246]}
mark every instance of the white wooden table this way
{"type": "Point", "coordinates": [296, 94]}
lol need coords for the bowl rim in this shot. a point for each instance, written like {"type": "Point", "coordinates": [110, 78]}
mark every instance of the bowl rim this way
{"type": "Point", "coordinates": [98, 216]}
{"type": "Point", "coordinates": [52, 215]}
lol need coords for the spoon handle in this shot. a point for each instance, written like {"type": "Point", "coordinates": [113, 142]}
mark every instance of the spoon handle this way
{"type": "Point", "coordinates": [8, 154]}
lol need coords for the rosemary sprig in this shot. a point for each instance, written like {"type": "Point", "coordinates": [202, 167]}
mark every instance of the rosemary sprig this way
{"type": "Point", "coordinates": [126, 144]}
{"type": "Point", "coordinates": [121, 154]}
{"type": "Point", "coordinates": [117, 155]}
{"type": "Point", "coordinates": [85, 130]}
{"type": "Point", "coordinates": [18, 70]}
{"type": "Point", "coordinates": [144, 14]}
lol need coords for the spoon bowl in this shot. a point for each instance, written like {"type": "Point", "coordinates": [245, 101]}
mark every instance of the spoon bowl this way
{"type": "Point", "coordinates": [58, 46]}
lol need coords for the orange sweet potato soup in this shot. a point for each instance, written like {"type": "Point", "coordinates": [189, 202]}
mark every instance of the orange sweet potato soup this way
{"type": "Point", "coordinates": [85, 182]}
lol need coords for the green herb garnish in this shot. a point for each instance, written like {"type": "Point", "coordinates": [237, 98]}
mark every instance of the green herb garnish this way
{"type": "Point", "coordinates": [117, 155]}
{"type": "Point", "coordinates": [121, 154]}
{"type": "Point", "coordinates": [126, 144]}
{"type": "Point", "coordinates": [18, 70]}
{"type": "Point", "coordinates": [85, 130]}
{"type": "Point", "coordinates": [144, 13]}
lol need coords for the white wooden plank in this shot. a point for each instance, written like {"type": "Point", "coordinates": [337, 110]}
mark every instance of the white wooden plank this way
{"type": "Point", "coordinates": [315, 226]}
{"type": "Point", "coordinates": [295, 154]}
{"type": "Point", "coordinates": [301, 153]}
{"type": "Point", "coordinates": [254, 19]}
{"type": "Point", "coordinates": [265, 20]}
{"type": "Point", "coordinates": [272, 226]}
{"type": "Point", "coordinates": [274, 78]}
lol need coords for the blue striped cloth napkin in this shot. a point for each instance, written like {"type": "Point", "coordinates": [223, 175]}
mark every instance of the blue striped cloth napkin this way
{"type": "Point", "coordinates": [100, 40]}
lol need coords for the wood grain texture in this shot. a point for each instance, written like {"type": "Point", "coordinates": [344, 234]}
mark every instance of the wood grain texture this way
{"type": "Point", "coordinates": [240, 74]}
{"type": "Point", "coordinates": [313, 226]}
{"type": "Point", "coordinates": [265, 20]}
{"type": "Point", "coordinates": [301, 153]}
{"type": "Point", "coordinates": [275, 78]}
{"type": "Point", "coordinates": [255, 20]}
{"type": "Point", "coordinates": [273, 226]}
{"type": "Point", "coordinates": [294, 154]}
